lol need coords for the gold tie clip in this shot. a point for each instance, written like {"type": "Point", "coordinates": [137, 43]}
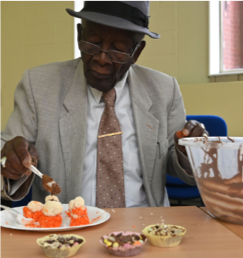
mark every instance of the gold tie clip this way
{"type": "Point", "coordinates": [109, 134]}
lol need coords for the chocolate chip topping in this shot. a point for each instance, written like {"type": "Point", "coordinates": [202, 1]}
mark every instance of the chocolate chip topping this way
{"type": "Point", "coordinates": [166, 230]}
{"type": "Point", "coordinates": [59, 241]}
{"type": "Point", "coordinates": [121, 239]}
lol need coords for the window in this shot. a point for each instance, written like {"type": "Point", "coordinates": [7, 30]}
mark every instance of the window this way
{"type": "Point", "coordinates": [225, 37]}
{"type": "Point", "coordinates": [78, 5]}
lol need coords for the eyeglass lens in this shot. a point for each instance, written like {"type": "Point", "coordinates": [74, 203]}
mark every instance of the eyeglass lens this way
{"type": "Point", "coordinates": [113, 55]}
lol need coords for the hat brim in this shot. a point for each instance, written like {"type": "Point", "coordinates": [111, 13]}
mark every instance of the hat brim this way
{"type": "Point", "coordinates": [112, 21]}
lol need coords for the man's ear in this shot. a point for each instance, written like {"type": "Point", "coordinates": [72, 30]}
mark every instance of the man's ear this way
{"type": "Point", "coordinates": [79, 31]}
{"type": "Point", "coordinates": [138, 52]}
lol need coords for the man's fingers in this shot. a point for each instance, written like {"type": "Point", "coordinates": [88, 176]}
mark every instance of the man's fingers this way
{"type": "Point", "coordinates": [21, 149]}
{"type": "Point", "coordinates": [14, 164]}
{"type": "Point", "coordinates": [188, 127]}
{"type": "Point", "coordinates": [18, 158]}
{"type": "Point", "coordinates": [16, 168]}
{"type": "Point", "coordinates": [10, 175]}
{"type": "Point", "coordinates": [34, 155]}
{"type": "Point", "coordinates": [194, 129]}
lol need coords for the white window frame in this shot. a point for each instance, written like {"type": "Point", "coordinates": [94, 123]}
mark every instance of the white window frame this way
{"type": "Point", "coordinates": [215, 41]}
{"type": "Point", "coordinates": [78, 5]}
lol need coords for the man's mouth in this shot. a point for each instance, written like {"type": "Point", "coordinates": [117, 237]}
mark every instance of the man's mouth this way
{"type": "Point", "coordinates": [100, 76]}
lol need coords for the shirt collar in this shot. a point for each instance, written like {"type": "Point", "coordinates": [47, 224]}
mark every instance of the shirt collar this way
{"type": "Point", "coordinates": [118, 88]}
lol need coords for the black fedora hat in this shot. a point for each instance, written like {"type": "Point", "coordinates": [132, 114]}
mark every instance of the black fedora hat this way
{"type": "Point", "coordinates": [127, 15]}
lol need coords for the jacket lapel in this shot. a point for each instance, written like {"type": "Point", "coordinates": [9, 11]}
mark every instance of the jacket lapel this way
{"type": "Point", "coordinates": [146, 127]}
{"type": "Point", "coordinates": [73, 132]}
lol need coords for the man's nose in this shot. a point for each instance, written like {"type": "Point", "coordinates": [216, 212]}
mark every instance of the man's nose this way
{"type": "Point", "coordinates": [102, 58]}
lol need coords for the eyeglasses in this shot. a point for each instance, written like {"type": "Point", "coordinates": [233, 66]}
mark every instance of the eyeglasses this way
{"type": "Point", "coordinates": [113, 55]}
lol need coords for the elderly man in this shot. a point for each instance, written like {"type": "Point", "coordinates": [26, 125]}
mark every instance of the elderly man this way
{"type": "Point", "coordinates": [102, 127]}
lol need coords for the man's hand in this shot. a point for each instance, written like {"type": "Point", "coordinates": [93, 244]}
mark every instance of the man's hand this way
{"type": "Point", "coordinates": [192, 128]}
{"type": "Point", "coordinates": [20, 155]}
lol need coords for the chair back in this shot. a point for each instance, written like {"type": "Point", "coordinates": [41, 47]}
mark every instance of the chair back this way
{"type": "Point", "coordinates": [215, 125]}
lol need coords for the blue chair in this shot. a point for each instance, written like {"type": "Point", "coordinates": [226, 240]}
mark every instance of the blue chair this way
{"type": "Point", "coordinates": [176, 188]}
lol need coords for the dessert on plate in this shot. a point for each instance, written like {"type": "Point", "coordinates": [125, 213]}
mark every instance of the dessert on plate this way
{"type": "Point", "coordinates": [60, 246]}
{"type": "Point", "coordinates": [51, 217]}
{"type": "Point", "coordinates": [78, 212]}
{"type": "Point", "coordinates": [162, 235]}
{"type": "Point", "coordinates": [123, 243]}
{"type": "Point", "coordinates": [51, 198]}
{"type": "Point", "coordinates": [33, 210]}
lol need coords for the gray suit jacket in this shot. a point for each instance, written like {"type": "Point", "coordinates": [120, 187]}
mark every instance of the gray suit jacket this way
{"type": "Point", "coordinates": [51, 112]}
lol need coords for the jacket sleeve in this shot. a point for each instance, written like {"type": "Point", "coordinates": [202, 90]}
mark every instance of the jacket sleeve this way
{"type": "Point", "coordinates": [176, 121]}
{"type": "Point", "coordinates": [22, 122]}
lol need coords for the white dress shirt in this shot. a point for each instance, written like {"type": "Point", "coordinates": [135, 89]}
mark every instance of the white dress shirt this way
{"type": "Point", "coordinates": [134, 191]}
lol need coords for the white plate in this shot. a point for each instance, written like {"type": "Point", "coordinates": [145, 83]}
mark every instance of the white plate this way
{"type": "Point", "coordinates": [9, 221]}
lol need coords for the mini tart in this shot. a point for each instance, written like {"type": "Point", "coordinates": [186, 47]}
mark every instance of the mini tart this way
{"type": "Point", "coordinates": [123, 243]}
{"type": "Point", "coordinates": [60, 246]}
{"type": "Point", "coordinates": [161, 235]}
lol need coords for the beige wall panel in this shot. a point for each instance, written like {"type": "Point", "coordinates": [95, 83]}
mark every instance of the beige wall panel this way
{"type": "Point", "coordinates": [183, 26]}
{"type": "Point", "coordinates": [32, 12]}
{"type": "Point", "coordinates": [32, 56]}
{"type": "Point", "coordinates": [151, 49]}
{"type": "Point", "coordinates": [12, 54]}
{"type": "Point", "coordinates": [64, 32]}
{"type": "Point", "coordinates": [57, 51]}
{"type": "Point", "coordinates": [162, 16]}
{"type": "Point", "coordinates": [167, 4]}
{"type": "Point", "coordinates": [166, 45]}
{"type": "Point", "coordinates": [192, 41]}
{"type": "Point", "coordinates": [32, 33]}
{"type": "Point", "coordinates": [55, 12]}
{"type": "Point", "coordinates": [212, 79]}
{"type": "Point", "coordinates": [240, 77]}
{"type": "Point", "coordinates": [166, 63]}
{"type": "Point", "coordinates": [227, 78]}
{"type": "Point", "coordinates": [221, 99]}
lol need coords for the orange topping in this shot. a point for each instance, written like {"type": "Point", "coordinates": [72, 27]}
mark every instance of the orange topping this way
{"type": "Point", "coordinates": [32, 215]}
{"type": "Point", "coordinates": [137, 243]}
{"type": "Point", "coordinates": [68, 213]}
{"type": "Point", "coordinates": [79, 221]}
{"type": "Point", "coordinates": [80, 211]}
{"type": "Point", "coordinates": [94, 219]}
{"type": "Point", "coordinates": [82, 218]}
{"type": "Point", "coordinates": [50, 221]}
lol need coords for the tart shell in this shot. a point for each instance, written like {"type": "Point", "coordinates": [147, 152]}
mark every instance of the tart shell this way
{"type": "Point", "coordinates": [164, 241]}
{"type": "Point", "coordinates": [63, 251]}
{"type": "Point", "coordinates": [121, 250]}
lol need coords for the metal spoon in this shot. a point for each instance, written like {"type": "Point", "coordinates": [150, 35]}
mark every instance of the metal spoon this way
{"type": "Point", "coordinates": [47, 182]}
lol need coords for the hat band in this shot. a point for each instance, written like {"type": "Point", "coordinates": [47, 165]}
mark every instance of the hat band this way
{"type": "Point", "coordinates": [118, 9]}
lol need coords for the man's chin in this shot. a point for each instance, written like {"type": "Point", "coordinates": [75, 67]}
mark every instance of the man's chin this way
{"type": "Point", "coordinates": [101, 85]}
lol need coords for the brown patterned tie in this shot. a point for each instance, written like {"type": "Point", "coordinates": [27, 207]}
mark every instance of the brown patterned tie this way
{"type": "Point", "coordinates": [110, 176]}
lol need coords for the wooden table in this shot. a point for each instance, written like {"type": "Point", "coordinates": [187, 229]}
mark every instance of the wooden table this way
{"type": "Point", "coordinates": [237, 229]}
{"type": "Point", "coordinates": [205, 237]}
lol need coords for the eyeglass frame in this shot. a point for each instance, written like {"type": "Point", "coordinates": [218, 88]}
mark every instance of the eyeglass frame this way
{"type": "Point", "coordinates": [108, 51]}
